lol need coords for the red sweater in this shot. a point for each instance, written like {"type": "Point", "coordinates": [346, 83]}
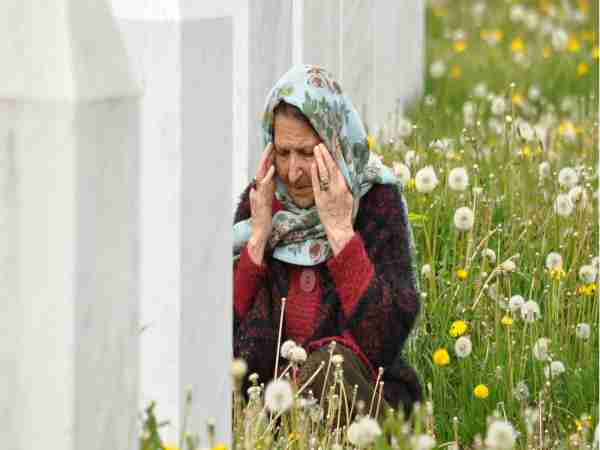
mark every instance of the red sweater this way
{"type": "Point", "coordinates": [351, 271]}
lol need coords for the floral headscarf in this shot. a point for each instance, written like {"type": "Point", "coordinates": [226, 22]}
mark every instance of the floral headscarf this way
{"type": "Point", "coordinates": [298, 236]}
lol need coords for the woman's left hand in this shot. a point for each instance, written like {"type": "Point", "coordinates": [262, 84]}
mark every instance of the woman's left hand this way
{"type": "Point", "coordinates": [334, 204]}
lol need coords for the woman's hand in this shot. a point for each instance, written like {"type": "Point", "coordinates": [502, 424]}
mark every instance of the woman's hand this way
{"type": "Point", "coordinates": [335, 203]}
{"type": "Point", "coordinates": [261, 205]}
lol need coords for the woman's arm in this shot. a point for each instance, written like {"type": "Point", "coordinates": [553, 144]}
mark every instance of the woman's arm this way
{"type": "Point", "coordinates": [374, 277]}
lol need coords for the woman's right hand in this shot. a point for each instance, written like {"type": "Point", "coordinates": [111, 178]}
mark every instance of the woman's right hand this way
{"type": "Point", "coordinates": [261, 204]}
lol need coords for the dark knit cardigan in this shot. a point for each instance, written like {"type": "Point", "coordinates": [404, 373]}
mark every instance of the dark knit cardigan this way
{"type": "Point", "coordinates": [382, 318]}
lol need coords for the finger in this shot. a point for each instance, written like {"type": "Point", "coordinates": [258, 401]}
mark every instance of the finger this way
{"type": "Point", "coordinates": [252, 201]}
{"type": "Point", "coordinates": [263, 163]}
{"type": "Point", "coordinates": [323, 172]}
{"type": "Point", "coordinates": [331, 165]}
{"type": "Point", "coordinates": [315, 181]}
{"type": "Point", "coordinates": [269, 176]}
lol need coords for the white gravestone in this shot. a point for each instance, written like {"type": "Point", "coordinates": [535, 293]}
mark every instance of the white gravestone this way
{"type": "Point", "coordinates": [69, 142]}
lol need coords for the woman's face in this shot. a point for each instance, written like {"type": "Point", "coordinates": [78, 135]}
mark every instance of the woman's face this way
{"type": "Point", "coordinates": [295, 141]}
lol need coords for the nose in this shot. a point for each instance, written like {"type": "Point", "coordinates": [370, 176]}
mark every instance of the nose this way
{"type": "Point", "coordinates": [295, 169]}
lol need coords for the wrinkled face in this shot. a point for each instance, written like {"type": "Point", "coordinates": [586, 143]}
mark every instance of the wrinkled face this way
{"type": "Point", "coordinates": [295, 141]}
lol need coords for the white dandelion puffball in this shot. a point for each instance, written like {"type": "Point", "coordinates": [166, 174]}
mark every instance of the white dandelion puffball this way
{"type": "Point", "coordinates": [490, 254]}
{"type": "Point", "coordinates": [515, 303]}
{"type": "Point", "coordinates": [426, 270]}
{"type": "Point", "coordinates": [541, 349]}
{"type": "Point", "coordinates": [588, 273]}
{"type": "Point", "coordinates": [554, 369]}
{"type": "Point", "coordinates": [364, 432]}
{"type": "Point", "coordinates": [426, 180]}
{"type": "Point", "coordinates": [498, 106]}
{"type": "Point", "coordinates": [437, 69]}
{"type": "Point", "coordinates": [402, 172]}
{"type": "Point", "coordinates": [508, 266]}
{"type": "Point", "coordinates": [279, 396]}
{"type": "Point", "coordinates": [239, 368]}
{"type": "Point", "coordinates": [530, 311]}
{"type": "Point", "coordinates": [563, 206]}
{"type": "Point", "coordinates": [286, 348]}
{"type": "Point", "coordinates": [526, 130]}
{"type": "Point", "coordinates": [554, 261]}
{"type": "Point", "coordinates": [544, 169]}
{"type": "Point", "coordinates": [404, 128]}
{"type": "Point", "coordinates": [480, 90]}
{"type": "Point", "coordinates": [464, 218]}
{"type": "Point", "coordinates": [517, 13]}
{"type": "Point", "coordinates": [458, 179]}
{"type": "Point", "coordinates": [500, 436]}
{"type": "Point", "coordinates": [560, 38]}
{"type": "Point", "coordinates": [568, 177]}
{"type": "Point", "coordinates": [298, 354]}
{"type": "Point", "coordinates": [463, 347]}
{"type": "Point", "coordinates": [583, 331]}
{"type": "Point", "coordinates": [422, 442]}
{"type": "Point", "coordinates": [521, 391]}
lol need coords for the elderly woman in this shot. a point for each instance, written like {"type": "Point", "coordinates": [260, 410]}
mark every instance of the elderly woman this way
{"type": "Point", "coordinates": [324, 225]}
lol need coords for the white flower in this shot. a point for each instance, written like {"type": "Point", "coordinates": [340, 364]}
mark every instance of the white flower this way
{"type": "Point", "coordinates": [238, 368]}
{"type": "Point", "coordinates": [404, 128]}
{"type": "Point", "coordinates": [426, 270]}
{"type": "Point", "coordinates": [526, 130]}
{"type": "Point", "coordinates": [563, 205]}
{"type": "Point", "coordinates": [582, 331]}
{"type": "Point", "coordinates": [554, 261]}
{"type": "Point", "coordinates": [426, 180]}
{"type": "Point", "coordinates": [464, 218]}
{"type": "Point", "coordinates": [544, 169]}
{"type": "Point", "coordinates": [437, 69]}
{"type": "Point", "coordinates": [480, 90]}
{"type": "Point", "coordinates": [363, 432]}
{"type": "Point", "coordinates": [279, 396]}
{"type": "Point", "coordinates": [568, 177]}
{"type": "Point", "coordinates": [534, 92]}
{"type": "Point", "coordinates": [508, 266]}
{"type": "Point", "coordinates": [588, 273]}
{"type": "Point", "coordinates": [402, 172]}
{"type": "Point", "coordinates": [560, 38]}
{"type": "Point", "coordinates": [458, 179]}
{"type": "Point", "coordinates": [530, 311]}
{"type": "Point", "coordinates": [555, 369]}
{"type": "Point", "coordinates": [463, 347]}
{"type": "Point", "coordinates": [286, 348]}
{"type": "Point", "coordinates": [298, 354]}
{"type": "Point", "coordinates": [521, 391]}
{"type": "Point", "coordinates": [540, 349]}
{"type": "Point", "coordinates": [515, 303]}
{"type": "Point", "coordinates": [517, 13]}
{"type": "Point", "coordinates": [498, 106]}
{"type": "Point", "coordinates": [489, 254]}
{"type": "Point", "coordinates": [500, 436]}
{"type": "Point", "coordinates": [422, 442]}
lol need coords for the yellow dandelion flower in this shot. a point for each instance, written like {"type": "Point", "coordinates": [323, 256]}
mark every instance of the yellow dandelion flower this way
{"type": "Point", "coordinates": [573, 44]}
{"type": "Point", "coordinates": [458, 328]}
{"type": "Point", "coordinates": [462, 274]}
{"type": "Point", "coordinates": [481, 391]}
{"type": "Point", "coordinates": [595, 52]}
{"type": "Point", "coordinates": [371, 141]}
{"type": "Point", "coordinates": [220, 446]}
{"type": "Point", "coordinates": [517, 45]}
{"type": "Point", "coordinates": [526, 152]}
{"type": "Point", "coordinates": [582, 69]}
{"type": "Point", "coordinates": [557, 273]}
{"type": "Point", "coordinates": [455, 72]}
{"type": "Point", "coordinates": [460, 46]}
{"type": "Point", "coordinates": [546, 52]}
{"type": "Point", "coordinates": [170, 447]}
{"type": "Point", "coordinates": [441, 357]}
{"type": "Point", "coordinates": [506, 321]}
{"type": "Point", "coordinates": [517, 98]}
{"type": "Point", "coordinates": [566, 127]}
{"type": "Point", "coordinates": [293, 436]}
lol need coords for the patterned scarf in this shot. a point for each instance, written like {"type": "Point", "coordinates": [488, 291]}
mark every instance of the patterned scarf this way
{"type": "Point", "coordinates": [298, 237]}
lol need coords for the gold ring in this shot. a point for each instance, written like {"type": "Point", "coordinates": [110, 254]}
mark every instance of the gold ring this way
{"type": "Point", "coordinates": [324, 184]}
